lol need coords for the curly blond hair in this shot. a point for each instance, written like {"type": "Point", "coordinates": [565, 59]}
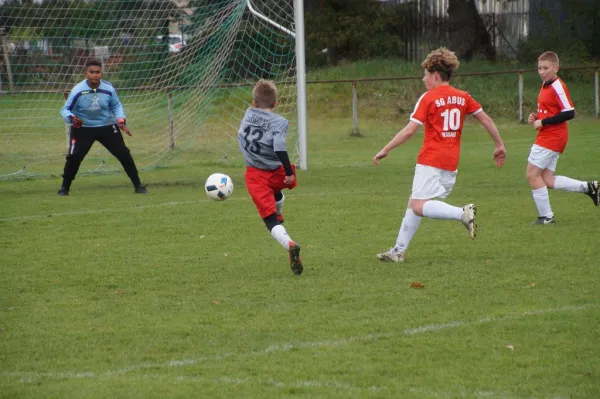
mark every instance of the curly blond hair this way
{"type": "Point", "coordinates": [442, 61]}
{"type": "Point", "coordinates": [265, 94]}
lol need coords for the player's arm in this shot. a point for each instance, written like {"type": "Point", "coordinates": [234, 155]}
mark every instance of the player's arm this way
{"type": "Point", "coordinates": [559, 118]}
{"type": "Point", "coordinates": [400, 138]}
{"type": "Point", "coordinates": [567, 109]}
{"type": "Point", "coordinates": [118, 112]}
{"type": "Point", "coordinates": [490, 126]}
{"type": "Point", "coordinates": [280, 148]}
{"type": "Point", "coordinates": [115, 105]}
{"type": "Point", "coordinates": [65, 111]}
{"type": "Point", "coordinates": [287, 165]}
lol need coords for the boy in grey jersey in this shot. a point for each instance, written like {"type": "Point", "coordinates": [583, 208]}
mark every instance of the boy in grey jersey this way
{"type": "Point", "coordinates": [262, 137]}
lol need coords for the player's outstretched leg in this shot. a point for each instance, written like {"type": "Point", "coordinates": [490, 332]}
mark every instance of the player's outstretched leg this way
{"type": "Point", "coordinates": [468, 219]}
{"type": "Point", "coordinates": [594, 192]}
{"type": "Point", "coordinates": [295, 262]}
{"type": "Point", "coordinates": [279, 233]}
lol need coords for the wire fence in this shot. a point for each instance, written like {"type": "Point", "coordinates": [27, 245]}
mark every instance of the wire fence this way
{"type": "Point", "coordinates": [354, 82]}
{"type": "Point", "coordinates": [519, 89]}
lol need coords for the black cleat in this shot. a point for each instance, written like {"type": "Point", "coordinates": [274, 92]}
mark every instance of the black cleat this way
{"type": "Point", "coordinates": [141, 189]}
{"type": "Point", "coordinates": [295, 262]}
{"type": "Point", "coordinates": [542, 220]}
{"type": "Point", "coordinates": [594, 192]}
{"type": "Point", "coordinates": [63, 192]}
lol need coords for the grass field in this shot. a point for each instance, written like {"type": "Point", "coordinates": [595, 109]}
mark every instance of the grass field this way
{"type": "Point", "coordinates": [169, 295]}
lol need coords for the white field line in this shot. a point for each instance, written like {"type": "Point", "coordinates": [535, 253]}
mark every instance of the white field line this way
{"type": "Point", "coordinates": [161, 205]}
{"type": "Point", "coordinates": [26, 377]}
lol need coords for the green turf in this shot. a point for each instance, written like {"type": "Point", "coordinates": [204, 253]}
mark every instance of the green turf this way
{"type": "Point", "coordinates": [106, 293]}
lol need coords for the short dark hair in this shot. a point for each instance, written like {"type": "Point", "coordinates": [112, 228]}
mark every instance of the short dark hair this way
{"type": "Point", "coordinates": [93, 62]}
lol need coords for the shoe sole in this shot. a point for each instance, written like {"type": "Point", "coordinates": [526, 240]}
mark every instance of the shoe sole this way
{"type": "Point", "coordinates": [543, 224]}
{"type": "Point", "coordinates": [390, 260]}
{"type": "Point", "coordinates": [295, 262]}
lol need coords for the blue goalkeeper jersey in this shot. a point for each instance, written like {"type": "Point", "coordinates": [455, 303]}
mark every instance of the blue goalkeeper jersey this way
{"type": "Point", "coordinates": [95, 107]}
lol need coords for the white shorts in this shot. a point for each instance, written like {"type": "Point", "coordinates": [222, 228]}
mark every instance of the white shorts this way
{"type": "Point", "coordinates": [430, 182]}
{"type": "Point", "coordinates": [543, 158]}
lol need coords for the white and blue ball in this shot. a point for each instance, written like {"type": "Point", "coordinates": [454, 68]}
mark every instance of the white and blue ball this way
{"type": "Point", "coordinates": [218, 187]}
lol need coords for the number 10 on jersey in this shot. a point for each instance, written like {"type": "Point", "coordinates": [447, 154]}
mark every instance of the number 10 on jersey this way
{"type": "Point", "coordinates": [451, 119]}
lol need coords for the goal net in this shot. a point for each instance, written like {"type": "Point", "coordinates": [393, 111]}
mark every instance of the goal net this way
{"type": "Point", "coordinates": [183, 69]}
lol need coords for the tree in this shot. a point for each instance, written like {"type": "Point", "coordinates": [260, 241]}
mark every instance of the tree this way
{"type": "Point", "coordinates": [468, 33]}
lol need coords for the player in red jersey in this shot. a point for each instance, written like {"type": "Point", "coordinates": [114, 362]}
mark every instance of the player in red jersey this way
{"type": "Point", "coordinates": [441, 110]}
{"type": "Point", "coordinates": [555, 108]}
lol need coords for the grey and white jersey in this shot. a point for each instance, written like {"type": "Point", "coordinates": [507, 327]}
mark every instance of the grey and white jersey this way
{"type": "Point", "coordinates": [261, 134]}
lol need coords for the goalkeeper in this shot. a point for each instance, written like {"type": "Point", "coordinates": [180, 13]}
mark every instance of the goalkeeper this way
{"type": "Point", "coordinates": [95, 113]}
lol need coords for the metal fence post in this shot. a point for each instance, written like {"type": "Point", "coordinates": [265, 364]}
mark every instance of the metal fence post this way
{"type": "Point", "coordinates": [355, 131]}
{"type": "Point", "coordinates": [171, 127]}
{"type": "Point", "coordinates": [521, 119]}
{"type": "Point", "coordinates": [596, 88]}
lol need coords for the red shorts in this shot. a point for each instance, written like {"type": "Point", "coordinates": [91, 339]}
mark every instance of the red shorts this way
{"type": "Point", "coordinates": [262, 185]}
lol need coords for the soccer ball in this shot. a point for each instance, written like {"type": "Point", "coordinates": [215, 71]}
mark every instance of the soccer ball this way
{"type": "Point", "coordinates": [218, 187]}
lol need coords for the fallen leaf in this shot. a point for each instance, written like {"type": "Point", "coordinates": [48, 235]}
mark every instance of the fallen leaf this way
{"type": "Point", "coordinates": [120, 292]}
{"type": "Point", "coordinates": [532, 284]}
{"type": "Point", "coordinates": [417, 285]}
{"type": "Point", "coordinates": [509, 347]}
{"type": "Point", "coordinates": [216, 302]}
{"type": "Point", "coordinates": [226, 254]}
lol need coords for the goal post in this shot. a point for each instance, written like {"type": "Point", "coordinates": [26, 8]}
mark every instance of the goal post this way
{"type": "Point", "coordinates": [183, 69]}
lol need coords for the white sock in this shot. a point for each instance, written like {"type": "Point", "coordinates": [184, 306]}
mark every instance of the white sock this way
{"type": "Point", "coordinates": [279, 205]}
{"type": "Point", "coordinates": [409, 227]}
{"type": "Point", "coordinates": [542, 202]}
{"type": "Point", "coordinates": [441, 210]}
{"type": "Point", "coordinates": [280, 234]}
{"type": "Point", "coordinates": [568, 184]}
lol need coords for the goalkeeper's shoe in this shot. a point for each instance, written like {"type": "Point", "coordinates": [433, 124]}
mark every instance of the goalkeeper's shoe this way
{"type": "Point", "coordinates": [594, 192]}
{"type": "Point", "coordinates": [468, 219]}
{"type": "Point", "coordinates": [542, 220]}
{"type": "Point", "coordinates": [295, 262]}
{"type": "Point", "coordinates": [392, 255]}
{"type": "Point", "coordinates": [141, 189]}
{"type": "Point", "coordinates": [63, 192]}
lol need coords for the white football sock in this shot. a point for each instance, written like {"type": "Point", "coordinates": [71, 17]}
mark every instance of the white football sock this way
{"type": "Point", "coordinates": [441, 210]}
{"type": "Point", "coordinates": [568, 184]}
{"type": "Point", "coordinates": [409, 227]}
{"type": "Point", "coordinates": [279, 205]}
{"type": "Point", "coordinates": [542, 202]}
{"type": "Point", "coordinates": [280, 234]}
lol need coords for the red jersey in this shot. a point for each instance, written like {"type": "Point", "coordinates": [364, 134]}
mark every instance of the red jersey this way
{"type": "Point", "coordinates": [442, 112]}
{"type": "Point", "coordinates": [554, 98]}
